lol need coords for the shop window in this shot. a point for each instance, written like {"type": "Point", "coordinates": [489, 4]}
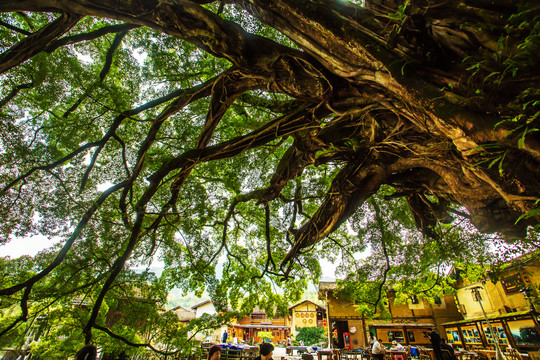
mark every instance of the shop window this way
{"type": "Point", "coordinates": [396, 335]}
{"type": "Point", "coordinates": [524, 332]}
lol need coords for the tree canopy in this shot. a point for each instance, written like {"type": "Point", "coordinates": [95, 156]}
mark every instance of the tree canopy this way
{"type": "Point", "coordinates": [241, 141]}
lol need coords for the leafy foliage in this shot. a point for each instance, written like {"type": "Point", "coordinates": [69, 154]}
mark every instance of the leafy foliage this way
{"type": "Point", "coordinates": [242, 142]}
{"type": "Point", "coordinates": [310, 335]}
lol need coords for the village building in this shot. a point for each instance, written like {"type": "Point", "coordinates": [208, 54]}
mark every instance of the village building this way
{"type": "Point", "coordinates": [184, 315]}
{"type": "Point", "coordinates": [306, 314]}
{"type": "Point", "coordinates": [206, 307]}
{"type": "Point", "coordinates": [508, 298]}
{"type": "Point", "coordinates": [408, 323]}
{"type": "Point", "coordinates": [247, 329]}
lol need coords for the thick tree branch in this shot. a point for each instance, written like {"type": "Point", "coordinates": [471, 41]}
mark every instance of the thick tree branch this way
{"type": "Point", "coordinates": [37, 42]}
{"type": "Point", "coordinates": [24, 312]}
{"type": "Point", "coordinates": [104, 71]}
{"type": "Point", "coordinates": [73, 39]}
{"type": "Point", "coordinates": [67, 245]}
{"type": "Point", "coordinates": [14, 28]}
{"type": "Point", "coordinates": [130, 343]}
{"type": "Point", "coordinates": [14, 92]}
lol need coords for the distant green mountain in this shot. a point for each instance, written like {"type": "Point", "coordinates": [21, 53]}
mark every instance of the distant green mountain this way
{"type": "Point", "coordinates": [176, 298]}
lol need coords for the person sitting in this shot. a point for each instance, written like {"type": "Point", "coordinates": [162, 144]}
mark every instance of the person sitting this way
{"type": "Point", "coordinates": [449, 348]}
{"type": "Point", "coordinates": [88, 352]}
{"type": "Point", "coordinates": [377, 351]}
{"type": "Point", "coordinates": [266, 351]}
{"type": "Point", "coordinates": [214, 353]}
{"type": "Point", "coordinates": [397, 346]}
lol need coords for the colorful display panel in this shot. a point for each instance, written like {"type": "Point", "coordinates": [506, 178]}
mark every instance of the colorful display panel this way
{"type": "Point", "coordinates": [499, 331]}
{"type": "Point", "coordinates": [452, 336]}
{"type": "Point", "coordinates": [471, 334]}
{"type": "Point", "coordinates": [524, 332]}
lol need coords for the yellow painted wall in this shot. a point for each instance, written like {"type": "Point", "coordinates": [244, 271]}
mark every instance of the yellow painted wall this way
{"type": "Point", "coordinates": [341, 308]}
{"type": "Point", "coordinates": [358, 337]}
{"type": "Point", "coordinates": [424, 313]}
{"type": "Point", "coordinates": [493, 295]}
{"type": "Point", "coordinates": [424, 308]}
{"type": "Point", "coordinates": [303, 315]}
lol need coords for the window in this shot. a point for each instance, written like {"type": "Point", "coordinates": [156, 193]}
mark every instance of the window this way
{"type": "Point", "coordinates": [438, 301]}
{"type": "Point", "coordinates": [524, 332]}
{"type": "Point", "coordinates": [396, 335]}
{"type": "Point", "coordinates": [411, 336]}
{"type": "Point", "coordinates": [414, 299]}
{"type": "Point", "coordinates": [512, 284]}
{"type": "Point", "coordinates": [477, 295]}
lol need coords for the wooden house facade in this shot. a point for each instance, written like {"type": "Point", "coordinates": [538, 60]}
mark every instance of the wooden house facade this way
{"type": "Point", "coordinates": [508, 299]}
{"type": "Point", "coordinates": [408, 323]}
{"type": "Point", "coordinates": [247, 329]}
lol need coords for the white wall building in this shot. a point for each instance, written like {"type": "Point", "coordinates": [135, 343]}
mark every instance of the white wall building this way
{"type": "Point", "coordinates": [214, 336]}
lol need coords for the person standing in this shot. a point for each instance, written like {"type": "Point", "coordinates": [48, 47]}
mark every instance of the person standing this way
{"type": "Point", "coordinates": [225, 336]}
{"type": "Point", "coordinates": [377, 350]}
{"type": "Point", "coordinates": [371, 339]}
{"type": "Point", "coordinates": [435, 339]}
{"type": "Point", "coordinates": [266, 350]}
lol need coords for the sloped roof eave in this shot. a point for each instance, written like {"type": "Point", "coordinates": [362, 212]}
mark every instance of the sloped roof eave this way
{"type": "Point", "coordinates": [490, 317]}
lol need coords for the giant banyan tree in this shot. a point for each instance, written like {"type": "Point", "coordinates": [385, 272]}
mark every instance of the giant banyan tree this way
{"type": "Point", "coordinates": [247, 132]}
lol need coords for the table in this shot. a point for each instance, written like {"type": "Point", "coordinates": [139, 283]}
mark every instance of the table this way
{"type": "Point", "coordinates": [465, 355]}
{"type": "Point", "coordinates": [328, 353]}
{"type": "Point", "coordinates": [289, 350]}
{"type": "Point", "coordinates": [492, 354]}
{"type": "Point", "coordinates": [426, 353]}
{"type": "Point", "coordinates": [352, 354]}
{"type": "Point", "coordinates": [300, 349]}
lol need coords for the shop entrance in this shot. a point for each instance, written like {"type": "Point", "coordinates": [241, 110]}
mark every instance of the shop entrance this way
{"type": "Point", "coordinates": [338, 328]}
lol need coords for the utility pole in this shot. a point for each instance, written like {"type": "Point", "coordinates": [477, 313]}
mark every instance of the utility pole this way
{"type": "Point", "coordinates": [498, 353]}
{"type": "Point", "coordinates": [330, 345]}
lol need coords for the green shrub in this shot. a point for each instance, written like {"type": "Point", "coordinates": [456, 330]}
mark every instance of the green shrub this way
{"type": "Point", "coordinates": [311, 335]}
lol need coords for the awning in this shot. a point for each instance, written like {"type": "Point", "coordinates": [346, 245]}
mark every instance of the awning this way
{"type": "Point", "coordinates": [398, 325]}
{"type": "Point", "coordinates": [260, 326]}
{"type": "Point", "coordinates": [491, 317]}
